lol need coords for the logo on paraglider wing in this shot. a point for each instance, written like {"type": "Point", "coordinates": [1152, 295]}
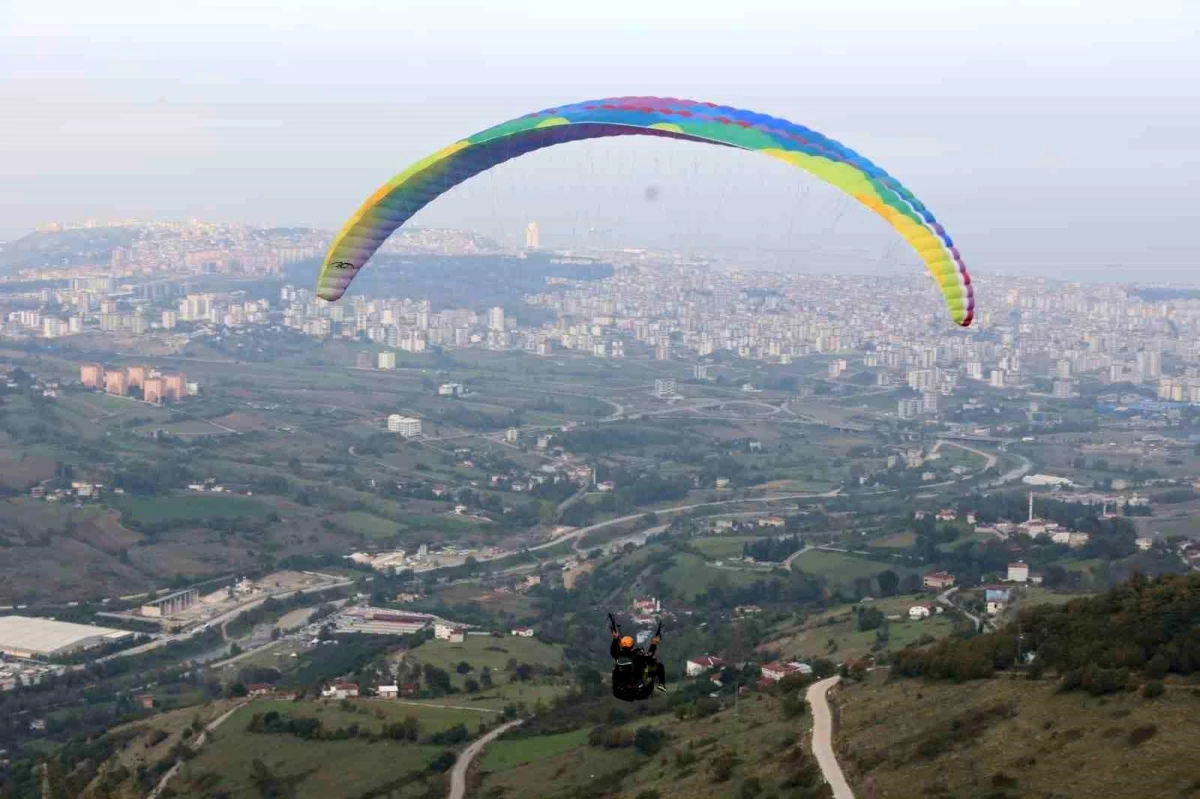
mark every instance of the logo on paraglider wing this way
{"type": "Point", "coordinates": [341, 265]}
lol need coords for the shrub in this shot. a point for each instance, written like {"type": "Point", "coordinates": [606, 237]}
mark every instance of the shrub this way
{"type": "Point", "coordinates": [1153, 689]}
{"type": "Point", "coordinates": [1139, 735]}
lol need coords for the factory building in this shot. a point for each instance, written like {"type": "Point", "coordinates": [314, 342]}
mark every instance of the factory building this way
{"type": "Point", "coordinates": [29, 637]}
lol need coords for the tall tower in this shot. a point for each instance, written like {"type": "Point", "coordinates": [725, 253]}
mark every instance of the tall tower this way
{"type": "Point", "coordinates": [533, 238]}
{"type": "Point", "coordinates": [1031, 507]}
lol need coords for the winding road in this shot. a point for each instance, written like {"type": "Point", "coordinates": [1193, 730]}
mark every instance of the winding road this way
{"type": "Point", "coordinates": [822, 738]}
{"type": "Point", "coordinates": [458, 777]}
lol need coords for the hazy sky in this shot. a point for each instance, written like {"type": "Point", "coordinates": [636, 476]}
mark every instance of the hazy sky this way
{"type": "Point", "coordinates": [1047, 135]}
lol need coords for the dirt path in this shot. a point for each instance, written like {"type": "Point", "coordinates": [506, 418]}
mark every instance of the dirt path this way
{"type": "Point", "coordinates": [195, 747]}
{"type": "Point", "coordinates": [458, 777]}
{"type": "Point", "coordinates": [822, 739]}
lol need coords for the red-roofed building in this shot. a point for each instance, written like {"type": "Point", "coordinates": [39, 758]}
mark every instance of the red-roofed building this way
{"type": "Point", "coordinates": [340, 690]}
{"type": "Point", "coordinates": [698, 666]}
{"type": "Point", "coordinates": [939, 580]}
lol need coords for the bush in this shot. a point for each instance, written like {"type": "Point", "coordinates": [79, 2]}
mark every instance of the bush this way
{"type": "Point", "coordinates": [722, 766]}
{"type": "Point", "coordinates": [648, 740]}
{"type": "Point", "coordinates": [1139, 735]}
{"type": "Point", "coordinates": [443, 762]}
{"type": "Point", "coordinates": [649, 793]}
{"type": "Point", "coordinates": [1153, 689]}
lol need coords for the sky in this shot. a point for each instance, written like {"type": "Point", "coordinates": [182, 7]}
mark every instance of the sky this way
{"type": "Point", "coordinates": [1048, 137]}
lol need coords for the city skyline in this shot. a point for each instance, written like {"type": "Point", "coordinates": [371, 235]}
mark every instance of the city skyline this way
{"type": "Point", "coordinates": [1050, 141]}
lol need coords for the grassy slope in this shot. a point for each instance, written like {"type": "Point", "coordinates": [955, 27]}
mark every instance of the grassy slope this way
{"type": "Point", "coordinates": [562, 766]}
{"type": "Point", "coordinates": [334, 768]}
{"type": "Point", "coordinates": [1056, 745]}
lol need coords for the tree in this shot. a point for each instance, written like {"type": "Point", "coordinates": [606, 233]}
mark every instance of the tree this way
{"type": "Point", "coordinates": [648, 740]}
{"type": "Point", "coordinates": [889, 582]}
{"type": "Point", "coordinates": [794, 706]}
{"type": "Point", "coordinates": [463, 667]}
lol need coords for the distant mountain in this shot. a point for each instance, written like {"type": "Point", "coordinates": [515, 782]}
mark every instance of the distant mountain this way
{"type": "Point", "coordinates": [63, 248]}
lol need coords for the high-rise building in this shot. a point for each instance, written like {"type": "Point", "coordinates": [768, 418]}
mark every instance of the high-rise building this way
{"type": "Point", "coordinates": [908, 408]}
{"type": "Point", "coordinates": [700, 371]}
{"type": "Point", "coordinates": [116, 382]}
{"type": "Point", "coordinates": [663, 351]}
{"type": "Point", "coordinates": [496, 319]}
{"type": "Point", "coordinates": [996, 378]}
{"type": "Point", "coordinates": [1062, 369]}
{"type": "Point", "coordinates": [91, 375]}
{"type": "Point", "coordinates": [533, 238]}
{"type": "Point", "coordinates": [511, 435]}
{"type": "Point", "coordinates": [664, 387]}
{"type": "Point", "coordinates": [169, 320]}
{"type": "Point", "coordinates": [1062, 389]}
{"type": "Point", "coordinates": [138, 325]}
{"type": "Point", "coordinates": [174, 386]}
{"type": "Point", "coordinates": [152, 389]}
{"type": "Point", "coordinates": [406, 426]}
{"type": "Point", "coordinates": [929, 402]}
{"type": "Point", "coordinates": [386, 360]}
{"type": "Point", "coordinates": [362, 360]}
{"type": "Point", "coordinates": [136, 375]}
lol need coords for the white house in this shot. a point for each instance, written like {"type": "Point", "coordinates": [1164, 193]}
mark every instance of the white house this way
{"type": "Point", "coordinates": [523, 632]}
{"type": "Point", "coordinates": [1144, 543]}
{"type": "Point", "coordinates": [448, 632]}
{"type": "Point", "coordinates": [340, 690]}
{"type": "Point", "coordinates": [777, 671]}
{"type": "Point", "coordinates": [389, 691]}
{"type": "Point", "coordinates": [698, 666]}
{"type": "Point", "coordinates": [919, 612]}
{"type": "Point", "coordinates": [1018, 572]}
{"type": "Point", "coordinates": [994, 607]}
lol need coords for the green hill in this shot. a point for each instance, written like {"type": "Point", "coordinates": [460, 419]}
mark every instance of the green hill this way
{"type": "Point", "coordinates": [1015, 738]}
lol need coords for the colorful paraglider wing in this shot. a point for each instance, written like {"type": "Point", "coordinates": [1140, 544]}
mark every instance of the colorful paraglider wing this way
{"type": "Point", "coordinates": [401, 197]}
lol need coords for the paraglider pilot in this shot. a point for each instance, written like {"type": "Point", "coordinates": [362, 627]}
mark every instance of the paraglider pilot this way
{"type": "Point", "coordinates": [636, 673]}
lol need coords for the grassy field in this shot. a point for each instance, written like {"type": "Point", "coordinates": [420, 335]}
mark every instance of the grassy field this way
{"type": "Point", "coordinates": [316, 769]}
{"type": "Point", "coordinates": [841, 569]}
{"type": "Point", "coordinates": [761, 744]}
{"type": "Point", "coordinates": [690, 575]}
{"type": "Point", "coordinates": [721, 547]}
{"type": "Point", "coordinates": [191, 506]}
{"type": "Point", "coordinates": [506, 754]}
{"type": "Point", "coordinates": [963, 540]}
{"type": "Point", "coordinates": [486, 650]}
{"type": "Point", "coordinates": [835, 634]}
{"type": "Point", "coordinates": [366, 523]}
{"type": "Point", "coordinates": [902, 540]}
{"type": "Point", "coordinates": [908, 738]}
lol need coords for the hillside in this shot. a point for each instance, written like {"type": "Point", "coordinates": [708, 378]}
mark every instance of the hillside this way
{"type": "Point", "coordinates": [1008, 738]}
{"type": "Point", "coordinates": [63, 248]}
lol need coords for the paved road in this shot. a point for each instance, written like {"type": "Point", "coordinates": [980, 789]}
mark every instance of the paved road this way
{"type": "Point", "coordinates": [582, 531]}
{"type": "Point", "coordinates": [458, 777]}
{"type": "Point", "coordinates": [195, 747]}
{"type": "Point", "coordinates": [822, 739]}
{"type": "Point", "coordinates": [945, 599]}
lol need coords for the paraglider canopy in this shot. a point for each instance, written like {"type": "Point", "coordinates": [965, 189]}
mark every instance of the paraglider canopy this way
{"type": "Point", "coordinates": [396, 201]}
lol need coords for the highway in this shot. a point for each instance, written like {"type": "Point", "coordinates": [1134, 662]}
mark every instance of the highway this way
{"type": "Point", "coordinates": [217, 621]}
{"type": "Point", "coordinates": [822, 738]}
{"type": "Point", "coordinates": [574, 535]}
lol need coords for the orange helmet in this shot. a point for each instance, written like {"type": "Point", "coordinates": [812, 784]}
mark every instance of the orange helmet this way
{"type": "Point", "coordinates": [627, 642]}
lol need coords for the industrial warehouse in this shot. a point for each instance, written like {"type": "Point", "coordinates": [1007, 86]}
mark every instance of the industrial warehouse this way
{"type": "Point", "coordinates": [26, 637]}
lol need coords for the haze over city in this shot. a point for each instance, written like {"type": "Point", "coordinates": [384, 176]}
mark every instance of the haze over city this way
{"type": "Point", "coordinates": [1048, 137]}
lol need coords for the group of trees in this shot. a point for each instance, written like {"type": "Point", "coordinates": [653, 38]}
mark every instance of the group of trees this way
{"type": "Point", "coordinates": [1143, 627]}
{"type": "Point", "coordinates": [772, 550]}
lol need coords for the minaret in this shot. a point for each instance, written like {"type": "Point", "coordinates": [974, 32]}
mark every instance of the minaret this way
{"type": "Point", "coordinates": [1031, 507]}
